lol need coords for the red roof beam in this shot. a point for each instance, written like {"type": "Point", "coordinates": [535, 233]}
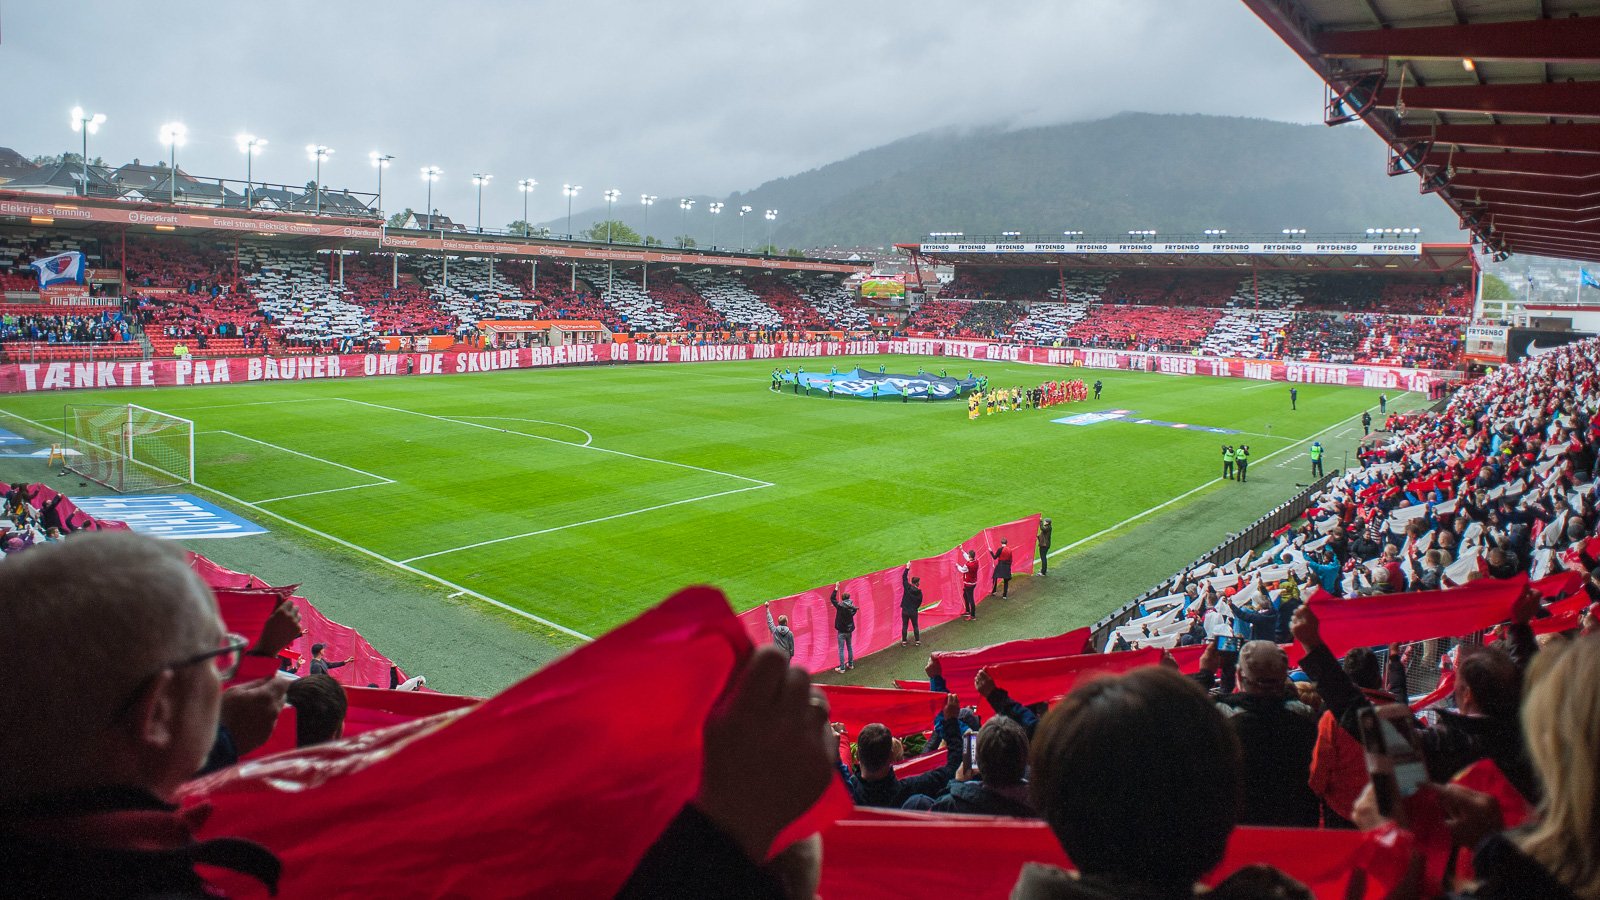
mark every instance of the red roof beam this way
{"type": "Point", "coordinates": [1551, 165]}
{"type": "Point", "coordinates": [1556, 205]}
{"type": "Point", "coordinates": [1532, 40]}
{"type": "Point", "coordinates": [1556, 251]}
{"type": "Point", "coordinates": [1568, 138]}
{"type": "Point", "coordinates": [1562, 98]}
{"type": "Point", "coordinates": [1548, 236]}
{"type": "Point", "coordinates": [1505, 219]}
{"type": "Point", "coordinates": [1532, 185]}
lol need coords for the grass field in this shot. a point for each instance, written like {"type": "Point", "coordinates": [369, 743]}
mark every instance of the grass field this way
{"type": "Point", "coordinates": [583, 496]}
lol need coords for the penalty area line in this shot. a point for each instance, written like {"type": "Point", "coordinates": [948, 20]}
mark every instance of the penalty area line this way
{"type": "Point", "coordinates": [355, 547]}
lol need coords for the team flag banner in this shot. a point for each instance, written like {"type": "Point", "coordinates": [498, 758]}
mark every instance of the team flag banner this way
{"type": "Point", "coordinates": [878, 595]}
{"type": "Point", "coordinates": [63, 268]}
{"type": "Point", "coordinates": [861, 383]}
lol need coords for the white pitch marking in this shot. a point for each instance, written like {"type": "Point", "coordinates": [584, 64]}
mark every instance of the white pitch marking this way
{"type": "Point", "coordinates": [1160, 506]}
{"type": "Point", "coordinates": [255, 403]}
{"type": "Point", "coordinates": [621, 515]}
{"type": "Point", "coordinates": [356, 547]}
{"type": "Point", "coordinates": [587, 437]}
{"type": "Point", "coordinates": [319, 459]}
{"type": "Point", "coordinates": [540, 437]}
{"type": "Point", "coordinates": [353, 487]}
{"type": "Point", "coordinates": [1265, 384]}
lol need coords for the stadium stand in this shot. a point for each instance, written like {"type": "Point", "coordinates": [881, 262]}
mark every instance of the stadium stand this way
{"type": "Point", "coordinates": [785, 298]}
{"type": "Point", "coordinates": [1151, 328]}
{"type": "Point", "coordinates": [683, 304]}
{"type": "Point", "coordinates": [733, 300]}
{"type": "Point", "coordinates": [636, 309]}
{"type": "Point", "coordinates": [1247, 334]}
{"type": "Point", "coordinates": [835, 302]}
{"type": "Point", "coordinates": [293, 293]}
{"type": "Point", "coordinates": [987, 319]}
{"type": "Point", "coordinates": [1048, 323]}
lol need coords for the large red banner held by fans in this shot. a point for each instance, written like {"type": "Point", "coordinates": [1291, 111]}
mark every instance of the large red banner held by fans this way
{"type": "Point", "coordinates": [546, 790]}
{"type": "Point", "coordinates": [1370, 621]}
{"type": "Point", "coordinates": [883, 855]}
{"type": "Point", "coordinates": [960, 667]}
{"type": "Point", "coordinates": [51, 376]}
{"type": "Point", "coordinates": [1043, 680]}
{"type": "Point", "coordinates": [877, 625]}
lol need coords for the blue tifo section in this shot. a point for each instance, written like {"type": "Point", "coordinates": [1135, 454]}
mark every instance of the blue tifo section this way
{"type": "Point", "coordinates": [170, 516]}
{"type": "Point", "coordinates": [1127, 415]}
{"type": "Point", "coordinates": [860, 383]}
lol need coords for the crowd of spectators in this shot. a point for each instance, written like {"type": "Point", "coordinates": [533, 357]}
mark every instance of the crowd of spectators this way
{"type": "Point", "coordinates": [100, 327]}
{"type": "Point", "coordinates": [978, 319]}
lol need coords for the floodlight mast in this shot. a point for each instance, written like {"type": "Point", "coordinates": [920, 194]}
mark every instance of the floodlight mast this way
{"type": "Point", "coordinates": [380, 161]}
{"type": "Point", "coordinates": [174, 135]}
{"type": "Point", "coordinates": [87, 124]}
{"type": "Point", "coordinates": [526, 186]}
{"type": "Point", "coordinates": [430, 174]}
{"type": "Point", "coordinates": [250, 146]}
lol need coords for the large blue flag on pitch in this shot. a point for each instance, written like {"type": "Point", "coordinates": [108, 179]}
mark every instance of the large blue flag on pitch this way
{"type": "Point", "coordinates": [1587, 278]}
{"type": "Point", "coordinates": [63, 268]}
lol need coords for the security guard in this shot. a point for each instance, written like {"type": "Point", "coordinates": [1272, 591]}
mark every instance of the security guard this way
{"type": "Point", "coordinates": [1227, 462]}
{"type": "Point", "coordinates": [1316, 459]}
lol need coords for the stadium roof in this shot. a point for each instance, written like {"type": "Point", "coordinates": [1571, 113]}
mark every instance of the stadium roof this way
{"type": "Point", "coordinates": [1494, 104]}
{"type": "Point", "coordinates": [1361, 253]}
{"type": "Point", "coordinates": [110, 217]}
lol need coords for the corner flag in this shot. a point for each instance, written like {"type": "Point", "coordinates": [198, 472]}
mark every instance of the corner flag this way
{"type": "Point", "coordinates": [1587, 279]}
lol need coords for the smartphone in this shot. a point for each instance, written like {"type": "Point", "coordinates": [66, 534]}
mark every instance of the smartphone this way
{"type": "Point", "coordinates": [971, 738]}
{"type": "Point", "coordinates": [1394, 755]}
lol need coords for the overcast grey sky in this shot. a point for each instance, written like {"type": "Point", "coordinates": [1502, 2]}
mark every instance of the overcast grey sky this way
{"type": "Point", "coordinates": [666, 98]}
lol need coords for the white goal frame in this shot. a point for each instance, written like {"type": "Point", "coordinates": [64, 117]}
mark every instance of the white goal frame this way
{"type": "Point", "coordinates": [109, 452]}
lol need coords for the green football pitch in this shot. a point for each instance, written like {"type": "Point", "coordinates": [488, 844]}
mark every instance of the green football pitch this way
{"type": "Point", "coordinates": [583, 496]}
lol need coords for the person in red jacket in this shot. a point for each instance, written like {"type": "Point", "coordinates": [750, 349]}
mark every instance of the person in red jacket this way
{"type": "Point", "coordinates": [1002, 568]}
{"type": "Point", "coordinates": [968, 567]}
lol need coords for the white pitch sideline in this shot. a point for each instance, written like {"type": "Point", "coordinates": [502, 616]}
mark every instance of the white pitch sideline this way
{"type": "Point", "coordinates": [1160, 506]}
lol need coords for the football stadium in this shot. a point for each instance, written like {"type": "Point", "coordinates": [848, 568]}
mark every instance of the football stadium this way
{"type": "Point", "coordinates": [354, 549]}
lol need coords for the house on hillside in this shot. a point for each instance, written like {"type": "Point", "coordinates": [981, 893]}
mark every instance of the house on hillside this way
{"type": "Point", "coordinates": [137, 181]}
{"type": "Point", "coordinates": [435, 222]}
{"type": "Point", "coordinates": [61, 180]}
{"type": "Point", "coordinates": [13, 165]}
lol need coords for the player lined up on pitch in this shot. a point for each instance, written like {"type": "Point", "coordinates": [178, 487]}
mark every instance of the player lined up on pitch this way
{"type": "Point", "coordinates": [1051, 393]}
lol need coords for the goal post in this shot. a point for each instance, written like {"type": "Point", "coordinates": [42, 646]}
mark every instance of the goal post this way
{"type": "Point", "coordinates": [128, 447]}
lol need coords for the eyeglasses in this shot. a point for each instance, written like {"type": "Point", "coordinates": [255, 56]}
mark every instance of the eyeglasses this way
{"type": "Point", "coordinates": [225, 659]}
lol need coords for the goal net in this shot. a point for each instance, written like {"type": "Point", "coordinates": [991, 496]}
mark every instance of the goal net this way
{"type": "Point", "coordinates": [130, 448]}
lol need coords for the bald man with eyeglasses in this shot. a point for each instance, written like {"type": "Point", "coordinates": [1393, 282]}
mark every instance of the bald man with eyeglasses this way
{"type": "Point", "coordinates": [120, 702]}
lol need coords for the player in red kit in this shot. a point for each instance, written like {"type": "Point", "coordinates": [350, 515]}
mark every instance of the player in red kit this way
{"type": "Point", "coordinates": [1002, 568]}
{"type": "Point", "coordinates": [968, 567]}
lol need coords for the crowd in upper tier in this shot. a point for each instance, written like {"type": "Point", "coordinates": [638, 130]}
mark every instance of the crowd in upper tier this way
{"type": "Point", "coordinates": [211, 300]}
